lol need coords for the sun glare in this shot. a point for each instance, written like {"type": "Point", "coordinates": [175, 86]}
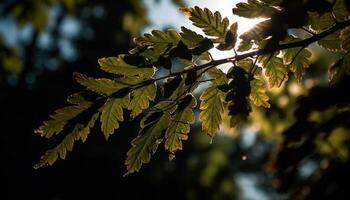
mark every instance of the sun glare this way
{"type": "Point", "coordinates": [174, 18]}
{"type": "Point", "coordinates": [225, 8]}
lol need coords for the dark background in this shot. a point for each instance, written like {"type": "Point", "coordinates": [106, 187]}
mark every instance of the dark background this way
{"type": "Point", "coordinates": [44, 41]}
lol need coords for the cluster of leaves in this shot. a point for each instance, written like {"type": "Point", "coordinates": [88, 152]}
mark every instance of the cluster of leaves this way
{"type": "Point", "coordinates": [165, 102]}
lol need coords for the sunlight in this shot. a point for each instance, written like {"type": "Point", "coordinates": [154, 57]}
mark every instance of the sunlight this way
{"type": "Point", "coordinates": [176, 19]}
{"type": "Point", "coordinates": [225, 8]}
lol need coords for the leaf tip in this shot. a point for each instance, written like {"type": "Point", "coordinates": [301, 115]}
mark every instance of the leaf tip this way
{"type": "Point", "coordinates": [186, 10]}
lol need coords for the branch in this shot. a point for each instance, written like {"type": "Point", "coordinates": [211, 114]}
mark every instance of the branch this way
{"type": "Point", "coordinates": [303, 43]}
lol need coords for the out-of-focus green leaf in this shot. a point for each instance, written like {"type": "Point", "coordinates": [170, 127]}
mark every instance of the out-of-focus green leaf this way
{"type": "Point", "coordinates": [331, 42]}
{"type": "Point", "coordinates": [320, 22]}
{"type": "Point", "coordinates": [340, 10]}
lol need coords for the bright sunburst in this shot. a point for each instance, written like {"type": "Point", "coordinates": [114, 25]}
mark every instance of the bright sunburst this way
{"type": "Point", "coordinates": [225, 8]}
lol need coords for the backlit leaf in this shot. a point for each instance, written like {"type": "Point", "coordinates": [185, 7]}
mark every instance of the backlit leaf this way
{"type": "Point", "coordinates": [179, 126]}
{"type": "Point", "coordinates": [345, 39]}
{"type": "Point", "coordinates": [296, 58]}
{"type": "Point", "coordinates": [275, 70]}
{"type": "Point", "coordinates": [59, 120]}
{"type": "Point", "coordinates": [158, 43]}
{"type": "Point", "coordinates": [212, 24]}
{"type": "Point", "coordinates": [145, 144]}
{"type": "Point", "coordinates": [141, 97]}
{"type": "Point", "coordinates": [117, 65]}
{"type": "Point", "coordinates": [101, 85]}
{"type": "Point", "coordinates": [253, 9]}
{"type": "Point", "coordinates": [320, 22]}
{"type": "Point", "coordinates": [331, 42]}
{"type": "Point", "coordinates": [212, 106]}
{"type": "Point", "coordinates": [258, 93]}
{"type": "Point", "coordinates": [340, 10]}
{"type": "Point", "coordinates": [111, 115]}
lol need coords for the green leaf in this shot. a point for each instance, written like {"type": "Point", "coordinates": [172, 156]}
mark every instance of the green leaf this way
{"type": "Point", "coordinates": [320, 22]}
{"type": "Point", "coordinates": [275, 70]}
{"type": "Point", "coordinates": [345, 39]}
{"type": "Point", "coordinates": [141, 97]}
{"type": "Point", "coordinates": [145, 144]}
{"type": "Point", "coordinates": [254, 9]}
{"type": "Point", "coordinates": [111, 115]}
{"type": "Point", "coordinates": [179, 127]}
{"type": "Point", "coordinates": [230, 38]}
{"type": "Point", "coordinates": [331, 42]}
{"type": "Point", "coordinates": [211, 24]}
{"type": "Point", "coordinates": [86, 131]}
{"type": "Point", "coordinates": [272, 2]}
{"type": "Point", "coordinates": [59, 120]}
{"type": "Point", "coordinates": [258, 93]}
{"type": "Point", "coordinates": [296, 58]}
{"type": "Point", "coordinates": [257, 33]}
{"type": "Point", "coordinates": [338, 70]}
{"type": "Point", "coordinates": [190, 38]}
{"type": "Point", "coordinates": [158, 43]}
{"type": "Point", "coordinates": [117, 65]}
{"type": "Point", "coordinates": [78, 99]}
{"type": "Point", "coordinates": [218, 75]}
{"type": "Point", "coordinates": [340, 10]}
{"type": "Point", "coordinates": [245, 45]}
{"type": "Point", "coordinates": [212, 106]}
{"type": "Point", "coordinates": [60, 151]}
{"type": "Point", "coordinates": [101, 85]}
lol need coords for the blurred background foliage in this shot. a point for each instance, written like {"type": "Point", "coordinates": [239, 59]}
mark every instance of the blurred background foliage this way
{"type": "Point", "coordinates": [42, 42]}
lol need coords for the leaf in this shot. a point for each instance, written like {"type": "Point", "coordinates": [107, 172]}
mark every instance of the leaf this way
{"type": "Point", "coordinates": [254, 9]}
{"type": "Point", "coordinates": [272, 2]}
{"type": "Point", "coordinates": [340, 10]}
{"type": "Point", "coordinates": [331, 42]}
{"type": "Point", "coordinates": [170, 37]}
{"type": "Point", "coordinates": [211, 24]}
{"type": "Point", "coordinates": [179, 126]}
{"type": "Point", "coordinates": [145, 144]}
{"type": "Point", "coordinates": [117, 65]}
{"type": "Point", "coordinates": [218, 75]}
{"type": "Point", "coordinates": [111, 115]}
{"type": "Point", "coordinates": [141, 97]}
{"type": "Point", "coordinates": [339, 69]}
{"type": "Point", "coordinates": [345, 39]}
{"type": "Point", "coordinates": [190, 38]}
{"type": "Point", "coordinates": [158, 43]}
{"type": "Point", "coordinates": [79, 100]}
{"type": "Point", "coordinates": [296, 58]}
{"type": "Point", "coordinates": [274, 69]}
{"type": "Point", "coordinates": [58, 121]}
{"type": "Point", "coordinates": [230, 38]}
{"type": "Point", "coordinates": [101, 85]}
{"type": "Point", "coordinates": [212, 106]}
{"type": "Point", "coordinates": [60, 151]}
{"type": "Point", "coordinates": [258, 93]}
{"type": "Point", "coordinates": [245, 45]}
{"type": "Point", "coordinates": [86, 131]}
{"type": "Point", "coordinates": [319, 22]}
{"type": "Point", "coordinates": [257, 33]}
